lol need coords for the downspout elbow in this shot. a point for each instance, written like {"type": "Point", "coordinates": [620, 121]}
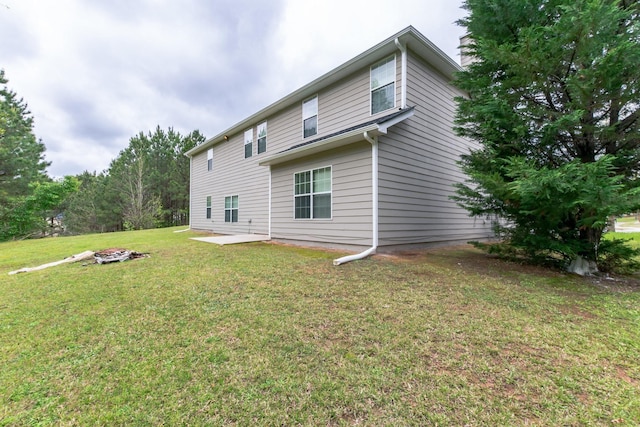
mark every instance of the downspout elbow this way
{"type": "Point", "coordinates": [374, 190]}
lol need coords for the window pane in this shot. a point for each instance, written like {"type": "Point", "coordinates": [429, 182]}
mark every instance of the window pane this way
{"type": "Point", "coordinates": [311, 126]}
{"type": "Point", "coordinates": [227, 215]}
{"type": "Point", "coordinates": [248, 148]}
{"type": "Point", "coordinates": [208, 213]}
{"type": "Point", "coordinates": [234, 202]}
{"type": "Point", "coordinates": [384, 73]}
{"type": "Point", "coordinates": [303, 207]}
{"type": "Point", "coordinates": [322, 206]}
{"type": "Point", "coordinates": [262, 130]}
{"type": "Point", "coordinates": [382, 98]}
{"type": "Point", "coordinates": [322, 180]}
{"type": "Point", "coordinates": [303, 183]}
{"type": "Point", "coordinates": [310, 108]}
{"type": "Point", "coordinates": [262, 145]}
{"type": "Point", "coordinates": [234, 215]}
{"type": "Point", "coordinates": [227, 202]}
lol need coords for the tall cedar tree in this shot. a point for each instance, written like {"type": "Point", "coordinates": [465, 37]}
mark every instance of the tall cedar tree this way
{"type": "Point", "coordinates": [553, 101]}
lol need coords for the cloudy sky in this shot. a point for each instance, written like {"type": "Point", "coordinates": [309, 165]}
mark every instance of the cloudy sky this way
{"type": "Point", "coordinates": [95, 73]}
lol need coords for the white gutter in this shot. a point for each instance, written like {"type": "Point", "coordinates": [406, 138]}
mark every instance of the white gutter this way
{"type": "Point", "coordinates": [403, 84]}
{"type": "Point", "coordinates": [374, 197]}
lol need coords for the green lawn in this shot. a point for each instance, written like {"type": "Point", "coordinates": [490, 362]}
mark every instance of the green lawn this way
{"type": "Point", "coordinates": [264, 334]}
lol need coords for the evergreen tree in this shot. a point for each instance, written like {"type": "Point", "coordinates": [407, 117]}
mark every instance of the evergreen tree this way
{"type": "Point", "coordinates": [22, 163]}
{"type": "Point", "coordinates": [21, 154]}
{"type": "Point", "coordinates": [152, 178]}
{"type": "Point", "coordinates": [95, 208]}
{"type": "Point", "coordinates": [553, 100]}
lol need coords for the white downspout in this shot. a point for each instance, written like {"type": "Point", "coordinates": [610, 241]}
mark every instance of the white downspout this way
{"type": "Point", "coordinates": [403, 84]}
{"type": "Point", "coordinates": [269, 201]}
{"type": "Point", "coordinates": [374, 200]}
{"type": "Point", "coordinates": [190, 191]}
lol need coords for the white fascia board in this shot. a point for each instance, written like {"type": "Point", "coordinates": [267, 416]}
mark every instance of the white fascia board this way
{"type": "Point", "coordinates": [323, 145]}
{"type": "Point", "coordinates": [383, 127]}
{"type": "Point", "coordinates": [336, 141]}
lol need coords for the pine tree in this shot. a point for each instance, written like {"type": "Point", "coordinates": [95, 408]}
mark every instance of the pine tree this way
{"type": "Point", "coordinates": [553, 101]}
{"type": "Point", "coordinates": [21, 155]}
{"type": "Point", "coordinates": [22, 165]}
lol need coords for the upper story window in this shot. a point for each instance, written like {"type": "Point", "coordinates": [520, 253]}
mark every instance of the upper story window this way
{"type": "Point", "coordinates": [312, 194]}
{"type": "Point", "coordinates": [210, 159]}
{"type": "Point", "coordinates": [383, 85]}
{"type": "Point", "coordinates": [248, 143]}
{"type": "Point", "coordinates": [310, 116]}
{"type": "Point", "coordinates": [262, 137]}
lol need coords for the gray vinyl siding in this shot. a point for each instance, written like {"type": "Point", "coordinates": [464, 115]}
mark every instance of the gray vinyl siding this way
{"type": "Point", "coordinates": [340, 106]}
{"type": "Point", "coordinates": [351, 222]}
{"type": "Point", "coordinates": [417, 168]}
{"type": "Point", "coordinates": [232, 175]}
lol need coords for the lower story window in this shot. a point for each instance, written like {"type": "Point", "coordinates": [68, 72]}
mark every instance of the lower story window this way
{"type": "Point", "coordinates": [231, 209]}
{"type": "Point", "coordinates": [208, 207]}
{"type": "Point", "coordinates": [312, 194]}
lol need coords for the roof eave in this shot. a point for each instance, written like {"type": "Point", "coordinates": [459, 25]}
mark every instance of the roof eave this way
{"type": "Point", "coordinates": [410, 36]}
{"type": "Point", "coordinates": [336, 141]}
{"type": "Point", "coordinates": [320, 146]}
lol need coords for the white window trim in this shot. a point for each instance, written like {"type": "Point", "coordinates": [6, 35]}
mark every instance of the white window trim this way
{"type": "Point", "coordinates": [395, 81]}
{"type": "Point", "coordinates": [317, 115]}
{"type": "Point", "coordinates": [266, 136]}
{"type": "Point", "coordinates": [311, 194]}
{"type": "Point", "coordinates": [247, 142]}
{"type": "Point", "coordinates": [231, 209]}
{"type": "Point", "coordinates": [210, 159]}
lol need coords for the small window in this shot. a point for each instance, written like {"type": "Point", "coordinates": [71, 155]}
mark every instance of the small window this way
{"type": "Point", "coordinates": [248, 143]}
{"type": "Point", "coordinates": [231, 209]}
{"type": "Point", "coordinates": [208, 207]}
{"type": "Point", "coordinates": [383, 85]}
{"type": "Point", "coordinates": [262, 137]}
{"type": "Point", "coordinates": [310, 116]}
{"type": "Point", "coordinates": [210, 159]}
{"type": "Point", "coordinates": [312, 189]}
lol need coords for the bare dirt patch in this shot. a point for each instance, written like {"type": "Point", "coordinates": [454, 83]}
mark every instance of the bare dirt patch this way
{"type": "Point", "coordinates": [472, 260]}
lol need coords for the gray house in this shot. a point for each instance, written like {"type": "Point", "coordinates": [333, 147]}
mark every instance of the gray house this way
{"type": "Point", "coordinates": [362, 157]}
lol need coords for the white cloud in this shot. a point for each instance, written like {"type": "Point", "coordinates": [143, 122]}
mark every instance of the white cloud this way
{"type": "Point", "coordinates": [96, 73]}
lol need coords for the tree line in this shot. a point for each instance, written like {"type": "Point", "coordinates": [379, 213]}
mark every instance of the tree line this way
{"type": "Point", "coordinates": [145, 186]}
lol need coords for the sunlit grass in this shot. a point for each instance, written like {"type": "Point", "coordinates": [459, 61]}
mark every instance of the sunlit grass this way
{"type": "Point", "coordinates": [263, 334]}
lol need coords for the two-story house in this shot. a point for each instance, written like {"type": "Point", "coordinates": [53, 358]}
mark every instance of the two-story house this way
{"type": "Point", "coordinates": [362, 157]}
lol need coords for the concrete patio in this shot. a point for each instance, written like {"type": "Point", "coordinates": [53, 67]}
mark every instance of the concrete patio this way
{"type": "Point", "coordinates": [233, 239]}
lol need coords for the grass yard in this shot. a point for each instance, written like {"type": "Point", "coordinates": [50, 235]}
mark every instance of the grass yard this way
{"type": "Point", "coordinates": [265, 334]}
